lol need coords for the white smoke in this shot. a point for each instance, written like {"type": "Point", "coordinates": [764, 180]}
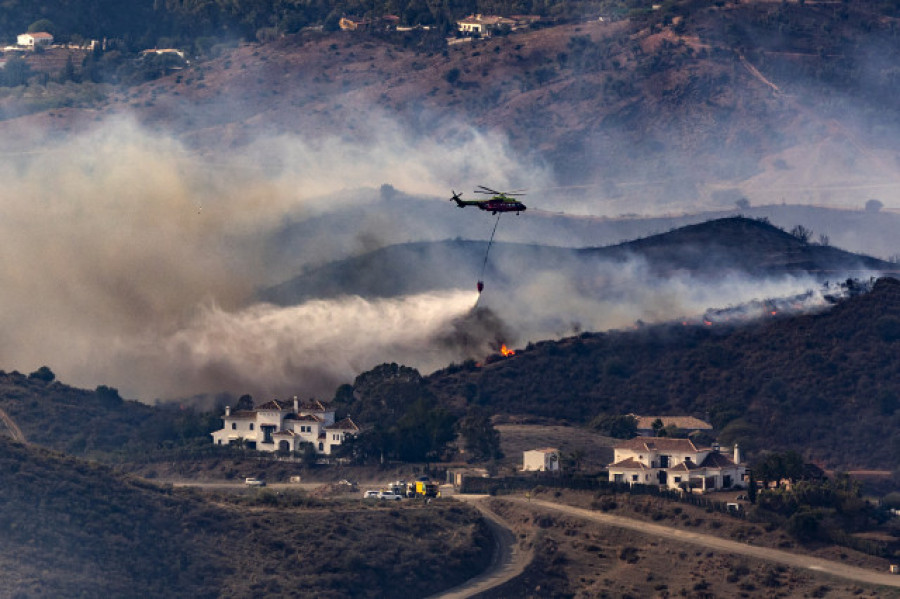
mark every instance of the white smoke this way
{"type": "Point", "coordinates": [311, 348]}
{"type": "Point", "coordinates": [131, 261]}
{"type": "Point", "coordinates": [552, 304]}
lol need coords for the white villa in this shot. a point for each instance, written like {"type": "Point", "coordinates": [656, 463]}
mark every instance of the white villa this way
{"type": "Point", "coordinates": [282, 426]}
{"type": "Point", "coordinates": [676, 464]}
{"type": "Point", "coordinates": [30, 40]}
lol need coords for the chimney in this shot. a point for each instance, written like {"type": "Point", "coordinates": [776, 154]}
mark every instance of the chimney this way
{"type": "Point", "coordinates": [228, 410]}
{"type": "Point", "coordinates": [737, 454]}
{"type": "Point", "coordinates": [296, 405]}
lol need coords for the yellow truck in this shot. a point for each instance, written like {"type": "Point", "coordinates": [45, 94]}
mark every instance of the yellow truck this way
{"type": "Point", "coordinates": [423, 487]}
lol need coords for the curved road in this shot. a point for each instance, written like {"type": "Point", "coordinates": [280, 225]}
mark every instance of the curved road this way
{"type": "Point", "coordinates": [507, 562]}
{"type": "Point", "coordinates": [819, 565]}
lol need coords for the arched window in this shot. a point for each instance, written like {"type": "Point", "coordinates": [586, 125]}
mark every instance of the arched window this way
{"type": "Point", "coordinates": [251, 426]}
{"type": "Point", "coordinates": [233, 425]}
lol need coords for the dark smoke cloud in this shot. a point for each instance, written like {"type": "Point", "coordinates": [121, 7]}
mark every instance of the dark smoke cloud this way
{"type": "Point", "coordinates": [475, 334]}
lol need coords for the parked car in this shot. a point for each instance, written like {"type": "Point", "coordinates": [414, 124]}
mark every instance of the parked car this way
{"type": "Point", "coordinates": [389, 495]}
{"type": "Point", "coordinates": [370, 494]}
{"type": "Point", "coordinates": [254, 482]}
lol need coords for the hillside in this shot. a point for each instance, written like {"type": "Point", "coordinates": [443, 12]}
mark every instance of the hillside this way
{"type": "Point", "coordinates": [687, 105]}
{"type": "Point", "coordinates": [96, 423]}
{"type": "Point", "coordinates": [75, 529]}
{"type": "Point", "coordinates": [827, 384]}
{"type": "Point", "coordinates": [375, 220]}
{"type": "Point", "coordinates": [709, 250]}
{"type": "Point", "coordinates": [740, 244]}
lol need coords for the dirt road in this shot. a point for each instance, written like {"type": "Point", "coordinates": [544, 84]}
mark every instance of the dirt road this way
{"type": "Point", "coordinates": [12, 427]}
{"type": "Point", "coordinates": [240, 485]}
{"type": "Point", "coordinates": [508, 560]}
{"type": "Point", "coordinates": [794, 560]}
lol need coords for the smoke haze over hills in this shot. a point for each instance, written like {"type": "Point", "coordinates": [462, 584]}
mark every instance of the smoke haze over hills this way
{"type": "Point", "coordinates": [137, 235]}
{"type": "Point", "coordinates": [131, 264]}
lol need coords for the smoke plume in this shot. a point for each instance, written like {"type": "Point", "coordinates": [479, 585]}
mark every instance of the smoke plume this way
{"type": "Point", "coordinates": [131, 261]}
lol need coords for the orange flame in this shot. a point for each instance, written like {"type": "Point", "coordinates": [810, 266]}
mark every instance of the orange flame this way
{"type": "Point", "coordinates": [506, 352]}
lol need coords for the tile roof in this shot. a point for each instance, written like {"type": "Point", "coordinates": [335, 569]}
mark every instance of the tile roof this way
{"type": "Point", "coordinates": [486, 20]}
{"type": "Point", "coordinates": [717, 460]}
{"type": "Point", "coordinates": [275, 404]}
{"type": "Point", "coordinates": [304, 418]}
{"type": "Point", "coordinates": [657, 444]}
{"type": "Point", "coordinates": [242, 414]}
{"type": "Point", "coordinates": [683, 467]}
{"type": "Point", "coordinates": [630, 463]}
{"type": "Point", "coordinates": [545, 450]}
{"type": "Point", "coordinates": [343, 425]}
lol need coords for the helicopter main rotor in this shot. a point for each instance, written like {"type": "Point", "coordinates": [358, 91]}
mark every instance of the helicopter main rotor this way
{"type": "Point", "coordinates": [489, 191]}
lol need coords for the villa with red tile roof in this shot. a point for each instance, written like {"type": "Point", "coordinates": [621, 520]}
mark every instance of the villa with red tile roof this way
{"type": "Point", "coordinates": [282, 426]}
{"type": "Point", "coordinates": [676, 464]}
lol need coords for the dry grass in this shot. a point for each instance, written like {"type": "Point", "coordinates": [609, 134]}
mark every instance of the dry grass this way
{"type": "Point", "coordinates": [581, 559]}
{"type": "Point", "coordinates": [516, 438]}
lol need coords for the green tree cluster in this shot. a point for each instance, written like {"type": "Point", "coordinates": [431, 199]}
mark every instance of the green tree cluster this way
{"type": "Point", "coordinates": [401, 418]}
{"type": "Point", "coordinates": [619, 426]}
{"type": "Point", "coordinates": [480, 439]}
{"type": "Point", "coordinates": [820, 510]}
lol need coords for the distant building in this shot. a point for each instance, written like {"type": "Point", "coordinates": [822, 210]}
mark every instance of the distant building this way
{"type": "Point", "coordinates": [676, 464]}
{"type": "Point", "coordinates": [354, 23]}
{"type": "Point", "coordinates": [456, 476]}
{"type": "Point", "coordinates": [483, 25]}
{"type": "Point", "coordinates": [33, 40]}
{"type": "Point", "coordinates": [540, 460]}
{"type": "Point", "coordinates": [282, 426]}
{"type": "Point", "coordinates": [688, 424]}
{"type": "Point", "coordinates": [384, 23]}
{"type": "Point", "coordinates": [164, 52]}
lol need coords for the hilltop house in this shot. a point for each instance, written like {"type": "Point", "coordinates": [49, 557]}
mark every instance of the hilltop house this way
{"type": "Point", "coordinates": [32, 40]}
{"type": "Point", "coordinates": [688, 424]}
{"type": "Point", "coordinates": [483, 25]}
{"type": "Point", "coordinates": [282, 426]}
{"type": "Point", "coordinates": [676, 464]}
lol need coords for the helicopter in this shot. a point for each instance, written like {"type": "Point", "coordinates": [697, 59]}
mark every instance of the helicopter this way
{"type": "Point", "coordinates": [501, 201]}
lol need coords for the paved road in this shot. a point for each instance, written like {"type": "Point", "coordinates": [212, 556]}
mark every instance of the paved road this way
{"type": "Point", "coordinates": [794, 560]}
{"type": "Point", "coordinates": [508, 561]}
